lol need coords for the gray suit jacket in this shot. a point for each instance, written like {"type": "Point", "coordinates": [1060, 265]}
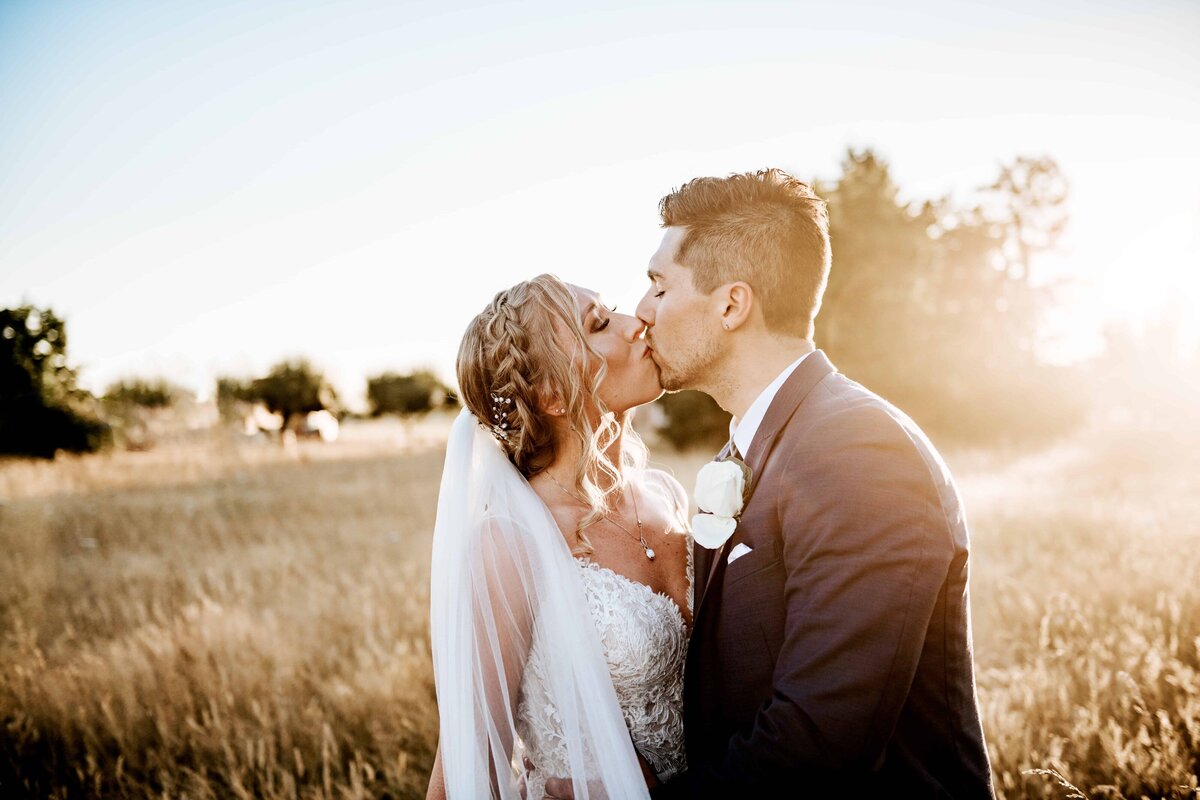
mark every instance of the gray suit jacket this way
{"type": "Point", "coordinates": [835, 657]}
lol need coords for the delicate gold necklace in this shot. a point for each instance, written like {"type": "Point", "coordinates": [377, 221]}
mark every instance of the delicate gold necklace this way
{"type": "Point", "coordinates": [641, 534]}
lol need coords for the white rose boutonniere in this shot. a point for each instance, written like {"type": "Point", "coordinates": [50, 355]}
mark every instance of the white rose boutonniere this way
{"type": "Point", "coordinates": [720, 495]}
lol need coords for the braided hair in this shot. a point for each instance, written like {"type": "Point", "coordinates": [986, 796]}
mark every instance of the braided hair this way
{"type": "Point", "coordinates": [527, 348]}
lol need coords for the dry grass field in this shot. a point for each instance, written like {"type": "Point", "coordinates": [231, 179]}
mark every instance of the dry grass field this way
{"type": "Point", "coordinates": [215, 620]}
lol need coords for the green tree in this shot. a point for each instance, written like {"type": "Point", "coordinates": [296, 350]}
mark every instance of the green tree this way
{"type": "Point", "coordinates": [932, 304]}
{"type": "Point", "coordinates": [407, 394]}
{"type": "Point", "coordinates": [692, 419]}
{"type": "Point", "coordinates": [41, 408]}
{"type": "Point", "coordinates": [295, 387]}
{"type": "Point", "coordinates": [872, 310]}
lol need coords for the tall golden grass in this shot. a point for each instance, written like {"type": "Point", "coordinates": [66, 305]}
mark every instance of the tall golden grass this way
{"type": "Point", "coordinates": [212, 621]}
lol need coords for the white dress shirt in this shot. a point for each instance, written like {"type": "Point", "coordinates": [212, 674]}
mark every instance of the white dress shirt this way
{"type": "Point", "coordinates": [742, 431]}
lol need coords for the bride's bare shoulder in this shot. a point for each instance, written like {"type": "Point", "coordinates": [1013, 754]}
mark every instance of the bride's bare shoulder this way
{"type": "Point", "coordinates": [672, 490]}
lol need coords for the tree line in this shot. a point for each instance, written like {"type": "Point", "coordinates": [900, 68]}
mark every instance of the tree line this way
{"type": "Point", "coordinates": [296, 387]}
{"type": "Point", "coordinates": [933, 304]}
{"type": "Point", "coordinates": [43, 410]}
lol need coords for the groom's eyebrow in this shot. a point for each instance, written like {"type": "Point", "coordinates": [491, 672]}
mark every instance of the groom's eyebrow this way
{"type": "Point", "coordinates": [653, 274]}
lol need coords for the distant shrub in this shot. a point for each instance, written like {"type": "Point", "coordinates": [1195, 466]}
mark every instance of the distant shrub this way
{"type": "Point", "coordinates": [145, 393]}
{"type": "Point", "coordinates": [232, 395]}
{"type": "Point", "coordinates": [414, 393]}
{"type": "Point", "coordinates": [41, 431]}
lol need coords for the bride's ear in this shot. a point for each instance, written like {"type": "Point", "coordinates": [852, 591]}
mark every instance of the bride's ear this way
{"type": "Point", "coordinates": [551, 403]}
{"type": "Point", "coordinates": [736, 300]}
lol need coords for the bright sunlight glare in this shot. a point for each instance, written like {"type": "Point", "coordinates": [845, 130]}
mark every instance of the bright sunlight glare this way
{"type": "Point", "coordinates": [1156, 273]}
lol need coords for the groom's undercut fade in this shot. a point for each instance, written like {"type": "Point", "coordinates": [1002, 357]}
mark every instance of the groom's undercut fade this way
{"type": "Point", "coordinates": [765, 228]}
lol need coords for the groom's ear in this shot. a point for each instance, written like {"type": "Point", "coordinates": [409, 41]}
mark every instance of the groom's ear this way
{"type": "Point", "coordinates": [736, 300]}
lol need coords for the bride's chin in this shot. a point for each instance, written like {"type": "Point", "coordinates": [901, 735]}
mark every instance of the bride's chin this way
{"type": "Point", "coordinates": [643, 400]}
{"type": "Point", "coordinates": [652, 394]}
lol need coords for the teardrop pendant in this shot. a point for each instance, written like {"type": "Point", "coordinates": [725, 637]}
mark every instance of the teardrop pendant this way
{"type": "Point", "coordinates": [649, 550]}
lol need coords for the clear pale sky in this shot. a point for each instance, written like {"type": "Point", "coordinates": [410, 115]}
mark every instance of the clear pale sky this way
{"type": "Point", "coordinates": [204, 188]}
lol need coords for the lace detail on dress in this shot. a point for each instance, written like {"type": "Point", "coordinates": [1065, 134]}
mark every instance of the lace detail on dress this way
{"type": "Point", "coordinates": [691, 575]}
{"type": "Point", "coordinates": [645, 640]}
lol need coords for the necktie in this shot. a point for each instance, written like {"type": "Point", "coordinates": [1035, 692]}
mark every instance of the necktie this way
{"type": "Point", "coordinates": [730, 450]}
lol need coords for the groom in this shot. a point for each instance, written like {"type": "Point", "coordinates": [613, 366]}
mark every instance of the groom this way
{"type": "Point", "coordinates": [831, 647]}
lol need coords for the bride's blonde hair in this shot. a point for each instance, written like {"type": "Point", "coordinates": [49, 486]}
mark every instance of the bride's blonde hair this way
{"type": "Point", "coordinates": [526, 348]}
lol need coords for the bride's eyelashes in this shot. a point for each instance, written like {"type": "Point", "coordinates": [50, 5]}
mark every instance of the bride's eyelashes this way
{"type": "Point", "coordinates": [604, 323]}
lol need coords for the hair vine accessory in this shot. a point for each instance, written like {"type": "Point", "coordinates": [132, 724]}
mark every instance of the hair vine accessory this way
{"type": "Point", "coordinates": [500, 406]}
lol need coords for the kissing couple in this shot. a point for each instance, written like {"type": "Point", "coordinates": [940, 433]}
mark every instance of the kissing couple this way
{"type": "Point", "coordinates": [807, 634]}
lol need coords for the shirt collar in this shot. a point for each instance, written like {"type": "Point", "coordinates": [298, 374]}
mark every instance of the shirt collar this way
{"type": "Point", "coordinates": [742, 431]}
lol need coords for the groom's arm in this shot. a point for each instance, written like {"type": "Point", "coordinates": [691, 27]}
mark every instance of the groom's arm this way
{"type": "Point", "coordinates": [866, 552]}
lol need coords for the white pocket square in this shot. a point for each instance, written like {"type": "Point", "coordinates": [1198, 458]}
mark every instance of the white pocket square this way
{"type": "Point", "coordinates": [739, 550]}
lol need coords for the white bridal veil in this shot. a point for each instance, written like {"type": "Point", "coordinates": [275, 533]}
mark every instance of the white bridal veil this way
{"type": "Point", "coordinates": [502, 577]}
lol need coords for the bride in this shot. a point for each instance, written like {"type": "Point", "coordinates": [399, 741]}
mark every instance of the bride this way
{"type": "Point", "coordinates": [561, 594]}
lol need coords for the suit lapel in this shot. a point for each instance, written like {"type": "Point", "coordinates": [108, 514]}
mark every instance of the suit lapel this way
{"type": "Point", "coordinates": [810, 372]}
{"type": "Point", "coordinates": [702, 559]}
{"type": "Point", "coordinates": [789, 397]}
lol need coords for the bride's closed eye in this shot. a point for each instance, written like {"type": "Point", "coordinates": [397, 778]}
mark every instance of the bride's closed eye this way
{"type": "Point", "coordinates": [604, 323]}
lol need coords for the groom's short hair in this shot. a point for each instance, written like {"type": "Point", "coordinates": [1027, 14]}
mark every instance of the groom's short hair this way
{"type": "Point", "coordinates": [765, 228]}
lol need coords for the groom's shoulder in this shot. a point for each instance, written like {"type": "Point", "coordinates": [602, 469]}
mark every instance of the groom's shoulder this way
{"type": "Point", "coordinates": [840, 406]}
{"type": "Point", "coordinates": [842, 415]}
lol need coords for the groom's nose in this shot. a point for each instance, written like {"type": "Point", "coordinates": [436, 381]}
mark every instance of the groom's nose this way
{"type": "Point", "coordinates": [645, 310]}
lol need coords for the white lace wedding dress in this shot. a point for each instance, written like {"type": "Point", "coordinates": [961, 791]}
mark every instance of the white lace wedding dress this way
{"type": "Point", "coordinates": [645, 641]}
